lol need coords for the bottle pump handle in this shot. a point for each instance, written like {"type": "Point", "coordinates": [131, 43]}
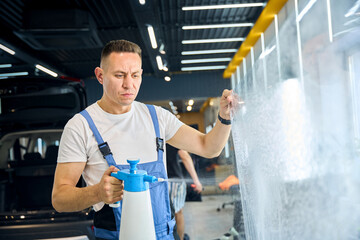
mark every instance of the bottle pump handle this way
{"type": "Point", "coordinates": [133, 164]}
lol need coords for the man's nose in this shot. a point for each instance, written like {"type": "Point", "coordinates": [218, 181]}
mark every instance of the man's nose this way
{"type": "Point", "coordinates": [127, 81]}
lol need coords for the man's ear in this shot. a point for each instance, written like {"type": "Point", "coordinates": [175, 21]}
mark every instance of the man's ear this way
{"type": "Point", "coordinates": [99, 75]}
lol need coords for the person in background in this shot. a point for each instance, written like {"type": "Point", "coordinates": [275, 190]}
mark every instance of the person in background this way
{"type": "Point", "coordinates": [177, 183]}
{"type": "Point", "coordinates": [99, 140]}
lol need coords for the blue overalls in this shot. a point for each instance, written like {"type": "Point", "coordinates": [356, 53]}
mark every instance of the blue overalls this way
{"type": "Point", "coordinates": [107, 220]}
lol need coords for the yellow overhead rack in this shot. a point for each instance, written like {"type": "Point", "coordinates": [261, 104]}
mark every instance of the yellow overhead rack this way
{"type": "Point", "coordinates": [263, 22]}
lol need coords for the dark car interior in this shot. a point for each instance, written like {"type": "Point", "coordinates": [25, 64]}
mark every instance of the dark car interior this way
{"type": "Point", "coordinates": [33, 115]}
{"type": "Point", "coordinates": [33, 180]}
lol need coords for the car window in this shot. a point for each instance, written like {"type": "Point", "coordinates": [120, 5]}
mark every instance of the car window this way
{"type": "Point", "coordinates": [29, 146]}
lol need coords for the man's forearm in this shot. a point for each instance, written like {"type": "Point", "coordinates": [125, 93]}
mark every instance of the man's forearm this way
{"type": "Point", "coordinates": [216, 139]}
{"type": "Point", "coordinates": [72, 199]}
{"type": "Point", "coordinates": [189, 165]}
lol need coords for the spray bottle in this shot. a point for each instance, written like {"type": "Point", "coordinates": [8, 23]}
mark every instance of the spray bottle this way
{"type": "Point", "coordinates": [137, 222]}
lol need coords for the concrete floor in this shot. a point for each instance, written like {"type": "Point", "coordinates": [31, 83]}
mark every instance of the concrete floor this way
{"type": "Point", "coordinates": [204, 222]}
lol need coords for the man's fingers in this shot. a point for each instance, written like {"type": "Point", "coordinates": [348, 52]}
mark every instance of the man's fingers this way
{"type": "Point", "coordinates": [226, 103]}
{"type": "Point", "coordinates": [226, 93]}
{"type": "Point", "coordinates": [118, 185]}
{"type": "Point", "coordinates": [110, 170]}
{"type": "Point", "coordinates": [227, 96]}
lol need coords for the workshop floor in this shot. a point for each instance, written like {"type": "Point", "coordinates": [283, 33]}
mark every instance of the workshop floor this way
{"type": "Point", "coordinates": [204, 222]}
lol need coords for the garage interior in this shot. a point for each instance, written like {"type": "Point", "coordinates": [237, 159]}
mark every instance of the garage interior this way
{"type": "Point", "coordinates": [294, 147]}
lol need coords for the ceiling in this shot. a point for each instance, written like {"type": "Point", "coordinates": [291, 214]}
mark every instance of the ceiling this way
{"type": "Point", "coordinates": [67, 36]}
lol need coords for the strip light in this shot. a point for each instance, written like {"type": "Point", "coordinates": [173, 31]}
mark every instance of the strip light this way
{"type": "Point", "coordinates": [230, 25]}
{"type": "Point", "coordinates": [305, 10]}
{"type": "Point", "coordinates": [202, 68]}
{"type": "Point", "coordinates": [152, 36]}
{"type": "Point", "coordinates": [328, 7]}
{"type": "Point", "coordinates": [6, 49]}
{"type": "Point", "coordinates": [44, 69]}
{"type": "Point", "coordinates": [352, 11]}
{"type": "Point", "coordinates": [266, 52]}
{"type": "Point", "coordinates": [5, 65]}
{"type": "Point", "coordinates": [240, 5]}
{"type": "Point", "coordinates": [209, 51]}
{"type": "Point", "coordinates": [159, 62]}
{"type": "Point", "coordinates": [215, 40]}
{"type": "Point", "coordinates": [14, 74]}
{"type": "Point", "coordinates": [206, 60]}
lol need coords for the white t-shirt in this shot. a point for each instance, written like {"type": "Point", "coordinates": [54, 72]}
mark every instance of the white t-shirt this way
{"type": "Point", "coordinates": [129, 135]}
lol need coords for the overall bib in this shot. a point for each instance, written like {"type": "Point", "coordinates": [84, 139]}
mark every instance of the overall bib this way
{"type": "Point", "coordinates": [107, 221]}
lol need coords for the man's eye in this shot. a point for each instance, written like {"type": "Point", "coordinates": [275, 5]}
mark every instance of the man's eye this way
{"type": "Point", "coordinates": [119, 76]}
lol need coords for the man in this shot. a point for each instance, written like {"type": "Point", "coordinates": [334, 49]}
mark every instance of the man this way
{"type": "Point", "coordinates": [127, 129]}
{"type": "Point", "coordinates": [177, 184]}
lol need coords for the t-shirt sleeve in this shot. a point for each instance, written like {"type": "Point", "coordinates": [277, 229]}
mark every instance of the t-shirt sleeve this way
{"type": "Point", "coordinates": [72, 145]}
{"type": "Point", "coordinates": [169, 121]}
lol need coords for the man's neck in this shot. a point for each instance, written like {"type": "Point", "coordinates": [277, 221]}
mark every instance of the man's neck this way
{"type": "Point", "coordinates": [113, 108]}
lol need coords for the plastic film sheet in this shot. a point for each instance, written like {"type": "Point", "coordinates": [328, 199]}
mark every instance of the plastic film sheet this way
{"type": "Point", "coordinates": [297, 136]}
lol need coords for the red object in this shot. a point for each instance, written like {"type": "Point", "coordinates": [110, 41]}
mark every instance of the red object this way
{"type": "Point", "coordinates": [228, 182]}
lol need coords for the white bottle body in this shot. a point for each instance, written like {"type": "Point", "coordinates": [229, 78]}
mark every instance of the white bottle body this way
{"type": "Point", "coordinates": [137, 222]}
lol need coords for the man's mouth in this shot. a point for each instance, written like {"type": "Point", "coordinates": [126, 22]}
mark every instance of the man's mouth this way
{"type": "Point", "coordinates": [127, 94]}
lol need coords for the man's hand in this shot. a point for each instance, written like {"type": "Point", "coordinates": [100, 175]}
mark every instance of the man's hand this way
{"type": "Point", "coordinates": [110, 188]}
{"type": "Point", "coordinates": [197, 187]}
{"type": "Point", "coordinates": [229, 103]}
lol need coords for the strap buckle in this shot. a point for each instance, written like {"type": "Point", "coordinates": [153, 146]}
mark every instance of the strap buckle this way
{"type": "Point", "coordinates": [159, 144]}
{"type": "Point", "coordinates": [104, 149]}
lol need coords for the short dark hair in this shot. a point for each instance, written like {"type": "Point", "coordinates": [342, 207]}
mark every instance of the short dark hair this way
{"type": "Point", "coordinates": [120, 46]}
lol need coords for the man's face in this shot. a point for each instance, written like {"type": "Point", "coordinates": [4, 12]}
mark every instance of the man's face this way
{"type": "Point", "coordinates": [121, 78]}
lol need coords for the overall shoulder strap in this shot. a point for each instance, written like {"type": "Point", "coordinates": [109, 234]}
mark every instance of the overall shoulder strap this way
{"type": "Point", "coordinates": [159, 141]}
{"type": "Point", "coordinates": [103, 146]}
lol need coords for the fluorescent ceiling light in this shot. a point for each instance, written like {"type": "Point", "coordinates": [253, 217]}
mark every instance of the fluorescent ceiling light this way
{"type": "Point", "coordinates": [206, 60]}
{"type": "Point", "coordinates": [5, 65]}
{"type": "Point", "coordinates": [6, 49]}
{"type": "Point", "coordinates": [159, 62]}
{"type": "Point", "coordinates": [152, 36]}
{"type": "Point", "coordinates": [215, 40]}
{"type": "Point", "coordinates": [14, 74]}
{"type": "Point", "coordinates": [208, 51]}
{"type": "Point", "coordinates": [202, 68]}
{"type": "Point", "coordinates": [352, 11]}
{"type": "Point", "coordinates": [240, 5]}
{"type": "Point", "coordinates": [329, 20]}
{"type": "Point", "coordinates": [218, 26]}
{"type": "Point", "coordinates": [305, 10]}
{"type": "Point", "coordinates": [162, 49]}
{"type": "Point", "coordinates": [266, 52]}
{"type": "Point", "coordinates": [44, 69]}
